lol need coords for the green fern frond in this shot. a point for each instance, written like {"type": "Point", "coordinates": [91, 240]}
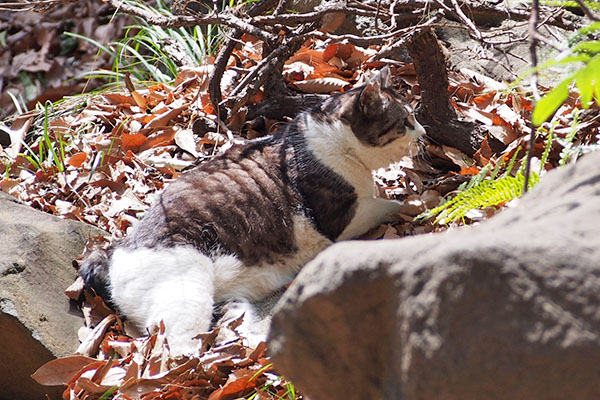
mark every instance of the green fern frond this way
{"type": "Point", "coordinates": [486, 193]}
{"type": "Point", "coordinates": [511, 163]}
{"type": "Point", "coordinates": [486, 189]}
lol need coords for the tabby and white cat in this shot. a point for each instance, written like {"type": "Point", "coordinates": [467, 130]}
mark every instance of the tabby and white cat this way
{"type": "Point", "coordinates": [241, 225]}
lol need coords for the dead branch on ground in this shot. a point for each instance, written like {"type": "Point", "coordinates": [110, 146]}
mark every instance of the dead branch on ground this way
{"type": "Point", "coordinates": [436, 112]}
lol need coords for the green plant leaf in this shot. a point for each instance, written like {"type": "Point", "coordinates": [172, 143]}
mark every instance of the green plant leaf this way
{"type": "Point", "coordinates": [92, 41]}
{"type": "Point", "coordinates": [591, 28]}
{"type": "Point", "coordinates": [584, 81]}
{"type": "Point", "coordinates": [547, 106]}
{"type": "Point", "coordinates": [581, 57]}
{"type": "Point", "coordinates": [591, 46]}
{"type": "Point", "coordinates": [594, 67]}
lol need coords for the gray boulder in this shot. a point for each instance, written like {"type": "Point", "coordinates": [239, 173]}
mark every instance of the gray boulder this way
{"type": "Point", "coordinates": [36, 257]}
{"type": "Point", "coordinates": [509, 309]}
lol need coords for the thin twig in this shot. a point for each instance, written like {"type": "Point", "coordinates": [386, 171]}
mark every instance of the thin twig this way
{"type": "Point", "coordinates": [393, 22]}
{"type": "Point", "coordinates": [255, 71]}
{"type": "Point", "coordinates": [178, 21]}
{"type": "Point", "coordinates": [466, 20]}
{"type": "Point", "coordinates": [214, 80]}
{"type": "Point", "coordinates": [259, 75]}
{"type": "Point", "coordinates": [533, 37]}
{"type": "Point", "coordinates": [214, 86]}
{"type": "Point", "coordinates": [295, 19]}
{"type": "Point", "coordinates": [392, 48]}
{"type": "Point", "coordinates": [377, 16]}
{"type": "Point", "coordinates": [490, 10]}
{"type": "Point", "coordinates": [362, 40]}
{"type": "Point", "coordinates": [37, 5]}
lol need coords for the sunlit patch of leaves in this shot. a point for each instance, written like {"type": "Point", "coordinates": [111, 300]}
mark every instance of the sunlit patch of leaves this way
{"type": "Point", "coordinates": [101, 162]}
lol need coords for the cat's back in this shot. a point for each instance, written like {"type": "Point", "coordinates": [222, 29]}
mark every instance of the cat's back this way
{"type": "Point", "coordinates": [240, 202]}
{"type": "Point", "coordinates": [245, 171]}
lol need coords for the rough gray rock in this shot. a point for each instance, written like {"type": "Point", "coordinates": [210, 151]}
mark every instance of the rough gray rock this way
{"type": "Point", "coordinates": [509, 309]}
{"type": "Point", "coordinates": [36, 257]}
{"type": "Point", "coordinates": [510, 57]}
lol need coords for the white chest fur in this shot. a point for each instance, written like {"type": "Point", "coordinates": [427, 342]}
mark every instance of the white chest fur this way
{"type": "Point", "coordinates": [336, 146]}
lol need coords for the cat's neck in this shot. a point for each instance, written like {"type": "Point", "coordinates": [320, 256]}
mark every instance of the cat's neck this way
{"type": "Point", "coordinates": [335, 145]}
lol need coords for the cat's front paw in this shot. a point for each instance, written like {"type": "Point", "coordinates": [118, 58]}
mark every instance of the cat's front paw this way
{"type": "Point", "coordinates": [371, 213]}
{"type": "Point", "coordinates": [387, 210]}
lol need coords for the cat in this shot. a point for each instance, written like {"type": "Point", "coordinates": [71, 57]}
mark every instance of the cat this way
{"type": "Point", "coordinates": [241, 225]}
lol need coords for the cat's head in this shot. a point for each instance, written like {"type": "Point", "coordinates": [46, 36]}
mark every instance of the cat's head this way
{"type": "Point", "coordinates": [379, 117]}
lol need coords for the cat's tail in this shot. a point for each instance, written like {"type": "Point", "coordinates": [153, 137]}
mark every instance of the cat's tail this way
{"type": "Point", "coordinates": [94, 269]}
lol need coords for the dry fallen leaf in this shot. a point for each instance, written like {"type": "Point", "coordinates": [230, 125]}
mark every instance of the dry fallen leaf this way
{"type": "Point", "coordinates": [184, 138]}
{"type": "Point", "coordinates": [89, 347]}
{"type": "Point", "coordinates": [61, 370]}
{"type": "Point", "coordinates": [164, 118]}
{"type": "Point", "coordinates": [237, 384]}
{"type": "Point", "coordinates": [16, 133]}
{"type": "Point", "coordinates": [77, 159]}
{"type": "Point", "coordinates": [133, 141]}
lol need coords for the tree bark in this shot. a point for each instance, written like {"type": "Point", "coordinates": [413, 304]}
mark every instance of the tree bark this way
{"type": "Point", "coordinates": [436, 112]}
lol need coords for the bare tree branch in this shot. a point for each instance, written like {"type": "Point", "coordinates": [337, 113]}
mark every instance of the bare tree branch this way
{"type": "Point", "coordinates": [214, 87]}
{"type": "Point", "coordinates": [36, 5]}
{"type": "Point", "coordinates": [436, 111]}
{"type": "Point", "coordinates": [295, 19]}
{"type": "Point", "coordinates": [487, 10]}
{"type": "Point", "coordinates": [533, 42]}
{"type": "Point", "coordinates": [178, 21]}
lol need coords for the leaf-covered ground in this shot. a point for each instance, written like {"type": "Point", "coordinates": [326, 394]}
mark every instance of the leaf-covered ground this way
{"type": "Point", "coordinates": [101, 159]}
{"type": "Point", "coordinates": [41, 59]}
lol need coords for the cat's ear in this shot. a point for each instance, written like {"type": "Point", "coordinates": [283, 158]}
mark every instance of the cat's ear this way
{"type": "Point", "coordinates": [371, 100]}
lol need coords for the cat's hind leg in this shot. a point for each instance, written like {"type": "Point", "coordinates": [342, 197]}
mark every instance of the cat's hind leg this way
{"type": "Point", "coordinates": [240, 319]}
{"type": "Point", "coordinates": [173, 285]}
{"type": "Point", "coordinates": [254, 327]}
